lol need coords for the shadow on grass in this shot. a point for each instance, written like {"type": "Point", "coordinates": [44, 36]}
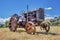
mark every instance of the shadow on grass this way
{"type": "Point", "coordinates": [47, 33]}
{"type": "Point", "coordinates": [20, 31]}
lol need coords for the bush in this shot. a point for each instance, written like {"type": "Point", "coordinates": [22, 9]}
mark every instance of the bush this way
{"type": "Point", "coordinates": [5, 24]}
{"type": "Point", "coordinates": [56, 22]}
{"type": "Point", "coordinates": [1, 25]}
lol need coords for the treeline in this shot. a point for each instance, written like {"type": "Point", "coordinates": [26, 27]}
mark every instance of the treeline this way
{"type": "Point", "coordinates": [55, 21]}
{"type": "Point", "coordinates": [5, 24]}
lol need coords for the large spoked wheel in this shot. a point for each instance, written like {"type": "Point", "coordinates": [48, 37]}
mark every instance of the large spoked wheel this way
{"type": "Point", "coordinates": [10, 28]}
{"type": "Point", "coordinates": [30, 28]}
{"type": "Point", "coordinates": [13, 29]}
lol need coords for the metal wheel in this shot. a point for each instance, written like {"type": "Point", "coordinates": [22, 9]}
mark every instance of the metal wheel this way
{"type": "Point", "coordinates": [47, 28]}
{"type": "Point", "coordinates": [30, 28]}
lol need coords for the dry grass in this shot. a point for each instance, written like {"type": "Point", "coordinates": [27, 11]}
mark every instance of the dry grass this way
{"type": "Point", "coordinates": [54, 34]}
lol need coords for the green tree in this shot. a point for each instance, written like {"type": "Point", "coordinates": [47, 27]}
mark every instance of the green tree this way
{"type": "Point", "coordinates": [6, 24]}
{"type": "Point", "coordinates": [1, 25]}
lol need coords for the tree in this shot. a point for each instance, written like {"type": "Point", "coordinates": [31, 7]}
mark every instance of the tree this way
{"type": "Point", "coordinates": [6, 24]}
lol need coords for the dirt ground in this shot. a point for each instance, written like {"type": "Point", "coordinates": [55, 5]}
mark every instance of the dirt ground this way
{"type": "Point", "coordinates": [20, 34]}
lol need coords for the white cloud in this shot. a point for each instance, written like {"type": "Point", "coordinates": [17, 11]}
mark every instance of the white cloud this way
{"type": "Point", "coordinates": [47, 15]}
{"type": "Point", "coordinates": [49, 18]}
{"type": "Point", "coordinates": [3, 20]}
{"type": "Point", "coordinates": [48, 8]}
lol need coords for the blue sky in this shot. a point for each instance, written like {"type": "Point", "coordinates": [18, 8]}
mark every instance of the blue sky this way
{"type": "Point", "coordinates": [9, 7]}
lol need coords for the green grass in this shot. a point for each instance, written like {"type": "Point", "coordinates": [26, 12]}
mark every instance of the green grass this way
{"type": "Point", "coordinates": [20, 34]}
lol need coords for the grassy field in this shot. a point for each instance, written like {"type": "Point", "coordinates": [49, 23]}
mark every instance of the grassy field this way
{"type": "Point", "coordinates": [54, 34]}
